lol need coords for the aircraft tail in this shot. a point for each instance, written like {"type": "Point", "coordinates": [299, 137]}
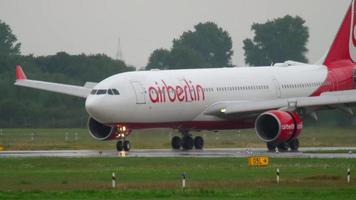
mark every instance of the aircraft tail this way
{"type": "Point", "coordinates": [344, 46]}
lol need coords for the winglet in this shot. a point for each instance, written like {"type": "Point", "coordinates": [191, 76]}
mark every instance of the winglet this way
{"type": "Point", "coordinates": [20, 75]}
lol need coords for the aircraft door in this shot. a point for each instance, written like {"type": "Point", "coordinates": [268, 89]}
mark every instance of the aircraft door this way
{"type": "Point", "coordinates": [277, 87]}
{"type": "Point", "coordinates": [140, 92]}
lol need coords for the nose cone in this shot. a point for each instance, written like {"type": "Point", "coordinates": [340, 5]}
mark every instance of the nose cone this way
{"type": "Point", "coordinates": [97, 109]}
{"type": "Point", "coordinates": [92, 106]}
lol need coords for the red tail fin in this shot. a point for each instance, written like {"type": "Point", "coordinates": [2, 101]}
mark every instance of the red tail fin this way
{"type": "Point", "coordinates": [344, 45]}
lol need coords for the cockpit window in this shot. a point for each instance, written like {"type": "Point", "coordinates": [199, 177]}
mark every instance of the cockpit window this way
{"type": "Point", "coordinates": [110, 92]}
{"type": "Point", "coordinates": [100, 92]}
{"type": "Point", "coordinates": [104, 91]}
{"type": "Point", "coordinates": [93, 92]}
{"type": "Point", "coordinates": [115, 91]}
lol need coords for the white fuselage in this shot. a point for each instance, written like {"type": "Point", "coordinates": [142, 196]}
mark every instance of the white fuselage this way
{"type": "Point", "coordinates": [144, 98]}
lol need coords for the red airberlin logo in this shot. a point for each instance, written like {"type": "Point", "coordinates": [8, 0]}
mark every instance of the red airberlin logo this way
{"type": "Point", "coordinates": [187, 92]}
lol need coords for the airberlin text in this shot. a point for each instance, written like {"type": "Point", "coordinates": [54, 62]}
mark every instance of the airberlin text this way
{"type": "Point", "coordinates": [291, 126]}
{"type": "Point", "coordinates": [187, 92]}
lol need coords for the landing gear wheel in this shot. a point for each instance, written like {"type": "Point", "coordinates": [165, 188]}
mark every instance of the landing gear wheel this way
{"type": "Point", "coordinates": [187, 143]}
{"type": "Point", "coordinates": [271, 147]}
{"type": "Point", "coordinates": [198, 142]}
{"type": "Point", "coordinates": [294, 145]}
{"type": "Point", "coordinates": [126, 145]}
{"type": "Point", "coordinates": [176, 143]}
{"type": "Point", "coordinates": [283, 147]}
{"type": "Point", "coordinates": [119, 145]}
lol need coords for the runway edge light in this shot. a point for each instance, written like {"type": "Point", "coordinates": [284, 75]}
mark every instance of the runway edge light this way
{"type": "Point", "coordinates": [184, 177]}
{"type": "Point", "coordinates": [113, 180]}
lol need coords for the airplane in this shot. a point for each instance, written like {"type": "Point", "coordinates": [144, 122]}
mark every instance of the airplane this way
{"type": "Point", "coordinates": [274, 100]}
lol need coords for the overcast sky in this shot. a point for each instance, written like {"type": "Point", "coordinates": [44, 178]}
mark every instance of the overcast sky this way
{"type": "Point", "coordinates": [45, 27]}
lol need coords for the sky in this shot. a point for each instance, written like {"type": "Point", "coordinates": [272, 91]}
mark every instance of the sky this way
{"type": "Point", "coordinates": [45, 27]}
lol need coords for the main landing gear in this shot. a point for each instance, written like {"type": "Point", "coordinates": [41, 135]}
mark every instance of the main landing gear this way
{"type": "Point", "coordinates": [293, 145]}
{"type": "Point", "coordinates": [187, 142]}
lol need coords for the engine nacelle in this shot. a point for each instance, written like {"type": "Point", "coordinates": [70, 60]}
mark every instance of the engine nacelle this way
{"type": "Point", "coordinates": [100, 131]}
{"type": "Point", "coordinates": [278, 126]}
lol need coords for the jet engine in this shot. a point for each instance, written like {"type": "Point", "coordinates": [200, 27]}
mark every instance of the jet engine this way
{"type": "Point", "coordinates": [100, 131]}
{"type": "Point", "coordinates": [278, 126]}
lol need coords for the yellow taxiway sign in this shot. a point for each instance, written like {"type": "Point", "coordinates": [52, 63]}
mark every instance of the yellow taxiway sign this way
{"type": "Point", "coordinates": [259, 161]}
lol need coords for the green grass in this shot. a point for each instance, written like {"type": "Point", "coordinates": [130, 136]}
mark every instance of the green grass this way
{"type": "Point", "coordinates": [152, 178]}
{"type": "Point", "coordinates": [252, 194]}
{"type": "Point", "coordinates": [21, 139]}
{"type": "Point", "coordinates": [159, 178]}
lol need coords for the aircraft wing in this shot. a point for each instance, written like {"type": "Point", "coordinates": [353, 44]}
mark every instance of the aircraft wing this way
{"type": "Point", "coordinates": [72, 90]}
{"type": "Point", "coordinates": [338, 99]}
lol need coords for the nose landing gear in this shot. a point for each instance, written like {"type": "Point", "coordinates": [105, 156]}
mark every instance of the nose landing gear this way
{"type": "Point", "coordinates": [122, 144]}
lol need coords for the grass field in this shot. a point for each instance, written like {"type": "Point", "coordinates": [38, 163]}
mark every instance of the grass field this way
{"type": "Point", "coordinates": [41, 139]}
{"type": "Point", "coordinates": [160, 178]}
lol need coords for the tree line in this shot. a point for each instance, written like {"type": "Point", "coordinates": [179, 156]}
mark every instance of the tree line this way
{"type": "Point", "coordinates": [209, 46]}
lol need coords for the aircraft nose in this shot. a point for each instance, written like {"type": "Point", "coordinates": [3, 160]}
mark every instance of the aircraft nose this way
{"type": "Point", "coordinates": [99, 108]}
{"type": "Point", "coordinates": [93, 106]}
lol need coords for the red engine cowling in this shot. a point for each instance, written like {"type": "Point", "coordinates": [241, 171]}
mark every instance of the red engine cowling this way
{"type": "Point", "coordinates": [278, 126]}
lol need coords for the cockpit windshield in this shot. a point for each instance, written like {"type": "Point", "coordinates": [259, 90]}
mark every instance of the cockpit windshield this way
{"type": "Point", "coordinates": [100, 92]}
{"type": "Point", "coordinates": [112, 91]}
